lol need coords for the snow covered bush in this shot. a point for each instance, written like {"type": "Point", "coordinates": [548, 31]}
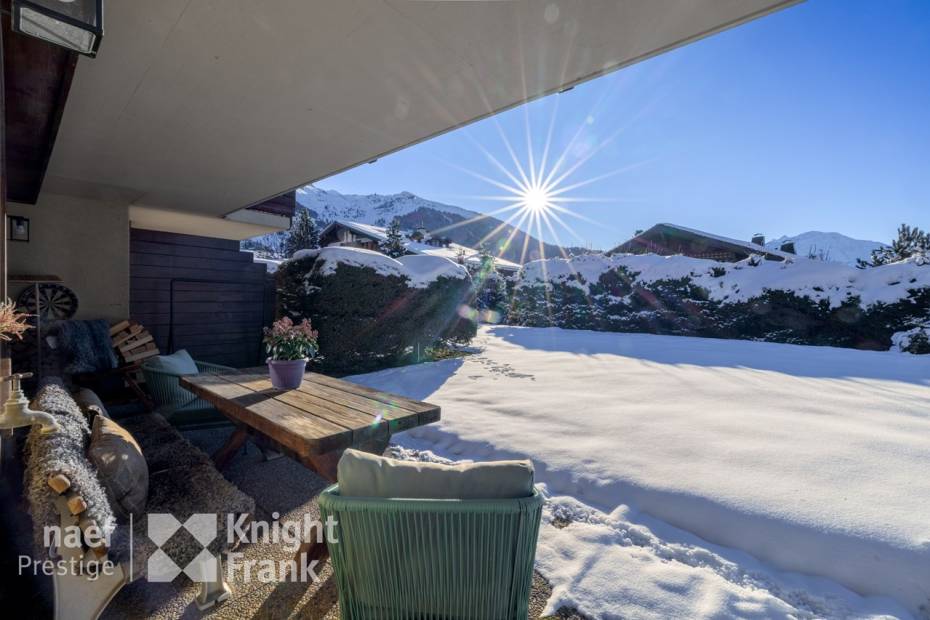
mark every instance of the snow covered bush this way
{"type": "Point", "coordinates": [915, 340]}
{"type": "Point", "coordinates": [375, 311]}
{"type": "Point", "coordinates": [801, 301]}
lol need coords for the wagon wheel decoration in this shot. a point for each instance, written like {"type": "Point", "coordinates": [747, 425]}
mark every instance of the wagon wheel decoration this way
{"type": "Point", "coordinates": [56, 302]}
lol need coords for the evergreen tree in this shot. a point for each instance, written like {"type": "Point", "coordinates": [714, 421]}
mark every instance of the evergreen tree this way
{"type": "Point", "coordinates": [486, 260]}
{"type": "Point", "coordinates": [393, 246]}
{"type": "Point", "coordinates": [910, 241]}
{"type": "Point", "coordinates": [303, 235]}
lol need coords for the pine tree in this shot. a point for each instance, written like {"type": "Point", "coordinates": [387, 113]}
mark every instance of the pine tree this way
{"type": "Point", "coordinates": [910, 241]}
{"type": "Point", "coordinates": [393, 246]}
{"type": "Point", "coordinates": [303, 235]}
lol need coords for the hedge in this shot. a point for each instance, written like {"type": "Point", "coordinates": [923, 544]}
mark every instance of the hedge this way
{"type": "Point", "coordinates": [618, 301]}
{"type": "Point", "coordinates": [366, 320]}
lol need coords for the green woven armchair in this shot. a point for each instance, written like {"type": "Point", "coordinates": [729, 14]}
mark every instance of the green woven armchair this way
{"type": "Point", "coordinates": [416, 558]}
{"type": "Point", "coordinates": [178, 405]}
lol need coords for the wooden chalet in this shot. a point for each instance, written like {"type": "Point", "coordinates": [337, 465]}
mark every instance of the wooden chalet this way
{"type": "Point", "coordinates": [670, 239]}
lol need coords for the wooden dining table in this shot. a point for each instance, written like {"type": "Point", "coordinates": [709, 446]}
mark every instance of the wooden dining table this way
{"type": "Point", "coordinates": [313, 424]}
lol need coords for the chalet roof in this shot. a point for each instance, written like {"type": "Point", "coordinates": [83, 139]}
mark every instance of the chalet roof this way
{"type": "Point", "coordinates": [746, 246]}
{"type": "Point", "coordinates": [755, 248]}
{"type": "Point", "coordinates": [377, 233]}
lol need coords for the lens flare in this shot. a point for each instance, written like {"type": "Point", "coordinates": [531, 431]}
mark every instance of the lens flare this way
{"type": "Point", "coordinates": [535, 199]}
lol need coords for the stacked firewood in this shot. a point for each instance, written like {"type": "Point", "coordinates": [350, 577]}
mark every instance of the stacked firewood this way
{"type": "Point", "coordinates": [133, 344]}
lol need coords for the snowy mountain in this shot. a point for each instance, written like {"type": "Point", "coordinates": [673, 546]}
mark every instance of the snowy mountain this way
{"type": "Point", "coordinates": [374, 209]}
{"type": "Point", "coordinates": [829, 246]}
{"type": "Point", "coordinates": [413, 212]}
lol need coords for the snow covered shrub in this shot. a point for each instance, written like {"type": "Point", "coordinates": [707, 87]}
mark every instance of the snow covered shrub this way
{"type": "Point", "coordinates": [915, 340]}
{"type": "Point", "coordinates": [375, 311]}
{"type": "Point", "coordinates": [802, 301]}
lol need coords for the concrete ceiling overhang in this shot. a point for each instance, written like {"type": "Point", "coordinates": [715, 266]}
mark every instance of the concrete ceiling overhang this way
{"type": "Point", "coordinates": [208, 106]}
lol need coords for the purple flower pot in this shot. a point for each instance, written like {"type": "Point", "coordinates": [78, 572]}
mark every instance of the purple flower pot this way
{"type": "Point", "coordinates": [286, 374]}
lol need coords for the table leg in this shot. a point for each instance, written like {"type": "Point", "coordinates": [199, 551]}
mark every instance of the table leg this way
{"type": "Point", "coordinates": [221, 457]}
{"type": "Point", "coordinates": [325, 465]}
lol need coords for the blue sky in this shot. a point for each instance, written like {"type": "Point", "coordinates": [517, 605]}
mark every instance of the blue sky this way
{"type": "Point", "coordinates": [814, 118]}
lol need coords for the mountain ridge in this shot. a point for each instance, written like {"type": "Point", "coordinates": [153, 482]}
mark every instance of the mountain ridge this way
{"type": "Point", "coordinates": [462, 226]}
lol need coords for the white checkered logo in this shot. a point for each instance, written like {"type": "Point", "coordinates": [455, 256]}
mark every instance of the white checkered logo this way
{"type": "Point", "coordinates": [161, 568]}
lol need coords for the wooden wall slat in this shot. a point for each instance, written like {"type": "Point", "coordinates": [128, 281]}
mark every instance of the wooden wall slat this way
{"type": "Point", "coordinates": [218, 321]}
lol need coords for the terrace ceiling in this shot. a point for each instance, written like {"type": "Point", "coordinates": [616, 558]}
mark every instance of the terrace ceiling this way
{"type": "Point", "coordinates": [210, 106]}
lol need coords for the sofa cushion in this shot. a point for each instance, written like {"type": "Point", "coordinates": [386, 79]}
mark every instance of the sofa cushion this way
{"type": "Point", "coordinates": [361, 474]}
{"type": "Point", "coordinates": [178, 363]}
{"type": "Point", "coordinates": [182, 481]}
{"type": "Point", "coordinates": [121, 467]}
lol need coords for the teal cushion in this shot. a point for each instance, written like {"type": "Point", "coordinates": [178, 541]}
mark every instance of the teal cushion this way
{"type": "Point", "coordinates": [178, 363]}
{"type": "Point", "coordinates": [361, 474]}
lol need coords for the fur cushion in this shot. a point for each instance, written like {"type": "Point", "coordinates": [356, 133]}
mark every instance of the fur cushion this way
{"type": "Point", "coordinates": [120, 467]}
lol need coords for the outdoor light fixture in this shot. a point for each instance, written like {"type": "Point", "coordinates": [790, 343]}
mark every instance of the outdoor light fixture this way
{"type": "Point", "coordinates": [73, 24]}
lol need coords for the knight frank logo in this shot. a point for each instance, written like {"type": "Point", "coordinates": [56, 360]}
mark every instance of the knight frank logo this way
{"type": "Point", "coordinates": [202, 529]}
{"type": "Point", "coordinates": [185, 548]}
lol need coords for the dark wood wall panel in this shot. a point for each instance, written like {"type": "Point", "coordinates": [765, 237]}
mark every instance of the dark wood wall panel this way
{"type": "Point", "coordinates": [217, 318]}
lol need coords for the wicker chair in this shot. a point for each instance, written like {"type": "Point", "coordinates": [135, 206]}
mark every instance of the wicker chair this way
{"type": "Point", "coordinates": [179, 406]}
{"type": "Point", "coordinates": [416, 558]}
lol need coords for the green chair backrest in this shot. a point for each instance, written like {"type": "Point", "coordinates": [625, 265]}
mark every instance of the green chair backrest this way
{"type": "Point", "coordinates": [412, 558]}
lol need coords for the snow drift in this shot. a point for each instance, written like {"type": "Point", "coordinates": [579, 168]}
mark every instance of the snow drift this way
{"type": "Point", "coordinates": [812, 459]}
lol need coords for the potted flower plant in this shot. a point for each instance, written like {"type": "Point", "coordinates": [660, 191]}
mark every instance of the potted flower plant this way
{"type": "Point", "coordinates": [289, 348]}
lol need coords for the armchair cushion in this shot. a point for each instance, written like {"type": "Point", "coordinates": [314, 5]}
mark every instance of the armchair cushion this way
{"type": "Point", "coordinates": [121, 467]}
{"type": "Point", "coordinates": [178, 363]}
{"type": "Point", "coordinates": [362, 474]}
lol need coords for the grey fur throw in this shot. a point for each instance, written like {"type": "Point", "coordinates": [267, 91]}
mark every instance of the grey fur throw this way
{"type": "Point", "coordinates": [47, 454]}
{"type": "Point", "coordinates": [85, 346]}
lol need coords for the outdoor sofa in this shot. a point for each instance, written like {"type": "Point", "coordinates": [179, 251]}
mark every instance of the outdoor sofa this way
{"type": "Point", "coordinates": [63, 488]}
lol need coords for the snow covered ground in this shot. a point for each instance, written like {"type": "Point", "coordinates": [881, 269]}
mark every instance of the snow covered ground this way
{"type": "Point", "coordinates": [698, 477]}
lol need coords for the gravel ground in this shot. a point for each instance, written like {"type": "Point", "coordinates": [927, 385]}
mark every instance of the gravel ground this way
{"type": "Point", "coordinates": [263, 481]}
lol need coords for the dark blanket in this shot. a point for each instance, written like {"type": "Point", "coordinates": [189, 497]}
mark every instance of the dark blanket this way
{"type": "Point", "coordinates": [85, 346]}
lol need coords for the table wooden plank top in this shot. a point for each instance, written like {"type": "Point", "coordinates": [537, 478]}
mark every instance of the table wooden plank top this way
{"type": "Point", "coordinates": [324, 414]}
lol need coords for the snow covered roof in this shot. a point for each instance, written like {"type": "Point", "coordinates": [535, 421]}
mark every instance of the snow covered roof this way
{"type": "Point", "coordinates": [451, 251]}
{"type": "Point", "coordinates": [659, 229]}
{"type": "Point", "coordinates": [753, 247]}
{"type": "Point", "coordinates": [377, 233]}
